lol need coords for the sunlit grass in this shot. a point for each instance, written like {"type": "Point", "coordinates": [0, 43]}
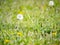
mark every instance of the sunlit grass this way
{"type": "Point", "coordinates": [40, 24]}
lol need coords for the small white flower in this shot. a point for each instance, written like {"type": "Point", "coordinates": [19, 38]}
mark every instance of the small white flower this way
{"type": "Point", "coordinates": [20, 16]}
{"type": "Point", "coordinates": [51, 3]}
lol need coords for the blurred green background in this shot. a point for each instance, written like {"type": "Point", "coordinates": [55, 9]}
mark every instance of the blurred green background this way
{"type": "Point", "coordinates": [40, 25]}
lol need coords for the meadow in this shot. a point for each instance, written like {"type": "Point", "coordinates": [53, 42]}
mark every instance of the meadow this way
{"type": "Point", "coordinates": [40, 24]}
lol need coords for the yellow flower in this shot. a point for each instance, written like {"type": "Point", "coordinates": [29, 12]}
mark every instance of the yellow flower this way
{"type": "Point", "coordinates": [54, 33]}
{"type": "Point", "coordinates": [20, 12]}
{"type": "Point", "coordinates": [20, 34]}
{"type": "Point", "coordinates": [7, 41]}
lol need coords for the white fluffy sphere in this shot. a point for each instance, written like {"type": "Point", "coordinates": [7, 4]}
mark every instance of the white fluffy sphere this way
{"type": "Point", "coordinates": [51, 3]}
{"type": "Point", "coordinates": [20, 16]}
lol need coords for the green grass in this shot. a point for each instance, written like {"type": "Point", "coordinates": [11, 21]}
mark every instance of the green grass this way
{"type": "Point", "coordinates": [40, 25]}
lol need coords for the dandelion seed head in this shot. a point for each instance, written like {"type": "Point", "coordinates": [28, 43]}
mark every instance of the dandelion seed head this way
{"type": "Point", "coordinates": [51, 3]}
{"type": "Point", "coordinates": [20, 16]}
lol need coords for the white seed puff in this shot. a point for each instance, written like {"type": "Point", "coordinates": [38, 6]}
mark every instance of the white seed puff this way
{"type": "Point", "coordinates": [20, 16]}
{"type": "Point", "coordinates": [51, 3]}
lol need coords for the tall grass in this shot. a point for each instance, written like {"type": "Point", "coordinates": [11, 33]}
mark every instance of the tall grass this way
{"type": "Point", "coordinates": [40, 25]}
